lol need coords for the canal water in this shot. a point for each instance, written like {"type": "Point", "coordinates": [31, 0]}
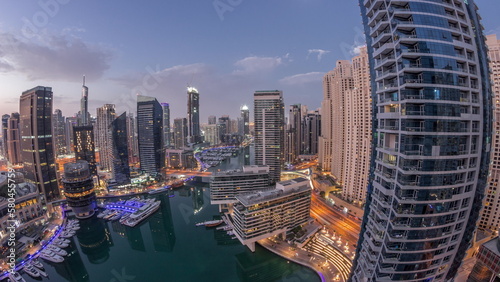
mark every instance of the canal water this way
{"type": "Point", "coordinates": [168, 246]}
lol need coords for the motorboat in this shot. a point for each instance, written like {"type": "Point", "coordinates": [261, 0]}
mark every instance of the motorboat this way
{"type": "Point", "coordinates": [51, 256]}
{"type": "Point", "coordinates": [59, 243]}
{"type": "Point", "coordinates": [31, 271]}
{"type": "Point", "coordinates": [57, 250]}
{"type": "Point", "coordinates": [36, 263]}
{"type": "Point", "coordinates": [143, 212]}
{"type": "Point", "coordinates": [16, 277]}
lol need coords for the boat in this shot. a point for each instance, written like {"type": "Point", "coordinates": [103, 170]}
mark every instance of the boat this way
{"type": "Point", "coordinates": [67, 234]}
{"type": "Point", "coordinates": [36, 263]}
{"type": "Point", "coordinates": [16, 277]}
{"type": "Point", "coordinates": [178, 183]}
{"type": "Point", "coordinates": [57, 250]}
{"type": "Point", "coordinates": [50, 256]}
{"type": "Point", "coordinates": [124, 218]}
{"type": "Point", "coordinates": [107, 217]}
{"type": "Point", "coordinates": [210, 223]}
{"type": "Point", "coordinates": [104, 213]}
{"type": "Point", "coordinates": [59, 244]}
{"type": "Point", "coordinates": [39, 269]}
{"type": "Point", "coordinates": [31, 271]}
{"type": "Point", "coordinates": [65, 241]}
{"type": "Point", "coordinates": [143, 212]}
{"type": "Point", "coordinates": [160, 190]}
{"type": "Point", "coordinates": [117, 216]}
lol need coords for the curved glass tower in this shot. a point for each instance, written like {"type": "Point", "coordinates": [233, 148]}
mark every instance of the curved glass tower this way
{"type": "Point", "coordinates": [79, 189]}
{"type": "Point", "coordinates": [432, 128]}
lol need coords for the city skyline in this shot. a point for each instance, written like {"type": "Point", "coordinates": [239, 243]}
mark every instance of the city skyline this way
{"type": "Point", "coordinates": [214, 51]}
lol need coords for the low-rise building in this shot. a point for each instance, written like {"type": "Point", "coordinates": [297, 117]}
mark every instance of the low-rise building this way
{"type": "Point", "coordinates": [267, 213]}
{"type": "Point", "coordinates": [487, 267]}
{"type": "Point", "coordinates": [224, 186]}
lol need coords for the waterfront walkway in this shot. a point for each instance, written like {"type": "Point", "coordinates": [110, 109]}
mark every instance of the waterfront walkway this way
{"type": "Point", "coordinates": [325, 269]}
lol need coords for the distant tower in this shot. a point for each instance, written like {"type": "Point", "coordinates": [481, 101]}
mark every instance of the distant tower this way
{"type": "Point", "coordinates": [121, 170]}
{"type": "Point", "coordinates": [83, 138]}
{"type": "Point", "coordinates": [58, 124]}
{"type": "Point", "coordinates": [84, 105]}
{"type": "Point", "coordinates": [180, 132]}
{"type": "Point", "coordinates": [269, 115]}
{"type": "Point", "coordinates": [193, 113]}
{"type": "Point", "coordinates": [212, 120]}
{"type": "Point", "coordinates": [5, 126]}
{"type": "Point", "coordinates": [105, 115]}
{"type": "Point", "coordinates": [79, 189]}
{"type": "Point", "coordinates": [166, 124]}
{"type": "Point", "coordinates": [245, 116]}
{"type": "Point", "coordinates": [37, 144]}
{"type": "Point", "coordinates": [14, 139]}
{"type": "Point", "coordinates": [150, 131]}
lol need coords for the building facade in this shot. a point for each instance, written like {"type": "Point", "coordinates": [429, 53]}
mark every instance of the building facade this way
{"type": "Point", "coordinates": [245, 119]}
{"type": "Point", "coordinates": [84, 105]}
{"type": "Point", "coordinates": [79, 189]}
{"type": "Point", "coordinates": [432, 120]}
{"type": "Point", "coordinates": [271, 212]}
{"type": "Point", "coordinates": [58, 123]}
{"type": "Point", "coordinates": [166, 124]}
{"type": "Point", "coordinates": [312, 132]}
{"type": "Point", "coordinates": [150, 131]}
{"type": "Point", "coordinates": [490, 215]}
{"type": "Point", "coordinates": [83, 137]}
{"type": "Point", "coordinates": [14, 139]}
{"type": "Point", "coordinates": [269, 116]}
{"type": "Point", "coordinates": [37, 143]}
{"type": "Point", "coordinates": [487, 267]}
{"type": "Point", "coordinates": [224, 186]}
{"type": "Point", "coordinates": [193, 116]}
{"type": "Point", "coordinates": [121, 169]}
{"type": "Point", "coordinates": [104, 137]}
{"type": "Point", "coordinates": [180, 132]}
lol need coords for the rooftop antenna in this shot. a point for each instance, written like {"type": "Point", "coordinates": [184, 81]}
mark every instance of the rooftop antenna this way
{"type": "Point", "coordinates": [83, 80]}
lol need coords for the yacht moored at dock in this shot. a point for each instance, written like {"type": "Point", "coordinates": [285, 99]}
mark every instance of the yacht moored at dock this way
{"type": "Point", "coordinates": [143, 212]}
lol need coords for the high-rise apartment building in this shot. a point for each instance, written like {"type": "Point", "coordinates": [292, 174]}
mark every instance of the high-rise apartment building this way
{"type": "Point", "coordinates": [150, 134]}
{"type": "Point", "coordinates": [269, 116]}
{"type": "Point", "coordinates": [490, 215]}
{"type": "Point", "coordinates": [104, 137]}
{"type": "Point", "coordinates": [356, 137]}
{"type": "Point", "coordinates": [270, 212]}
{"type": "Point", "coordinates": [121, 169]}
{"type": "Point", "coordinates": [180, 132]}
{"type": "Point", "coordinates": [133, 145]}
{"type": "Point", "coordinates": [294, 134]}
{"type": "Point", "coordinates": [212, 134]}
{"type": "Point", "coordinates": [245, 117]}
{"type": "Point", "coordinates": [37, 143]}
{"type": "Point", "coordinates": [71, 122]}
{"type": "Point", "coordinates": [5, 126]}
{"type": "Point", "coordinates": [79, 189]}
{"type": "Point", "coordinates": [83, 137]}
{"type": "Point", "coordinates": [84, 105]}
{"type": "Point", "coordinates": [312, 131]}
{"type": "Point", "coordinates": [166, 124]}
{"type": "Point", "coordinates": [193, 116]}
{"type": "Point", "coordinates": [14, 139]}
{"type": "Point", "coordinates": [212, 119]}
{"type": "Point", "coordinates": [432, 116]}
{"type": "Point", "coordinates": [58, 123]}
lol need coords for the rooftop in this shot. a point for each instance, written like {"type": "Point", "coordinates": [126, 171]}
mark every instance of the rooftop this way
{"type": "Point", "coordinates": [493, 245]}
{"type": "Point", "coordinates": [272, 194]}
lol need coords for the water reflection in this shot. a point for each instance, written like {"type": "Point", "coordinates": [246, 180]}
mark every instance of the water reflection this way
{"type": "Point", "coordinates": [197, 199]}
{"type": "Point", "coordinates": [95, 239]}
{"type": "Point", "coordinates": [72, 268]}
{"type": "Point", "coordinates": [162, 226]}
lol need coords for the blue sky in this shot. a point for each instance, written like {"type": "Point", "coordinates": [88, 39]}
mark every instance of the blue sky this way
{"type": "Point", "coordinates": [225, 48]}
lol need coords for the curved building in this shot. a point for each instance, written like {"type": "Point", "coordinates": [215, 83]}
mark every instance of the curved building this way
{"type": "Point", "coordinates": [432, 128]}
{"type": "Point", "coordinates": [79, 189]}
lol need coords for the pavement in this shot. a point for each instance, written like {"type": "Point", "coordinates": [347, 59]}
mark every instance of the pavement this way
{"type": "Point", "coordinates": [326, 271]}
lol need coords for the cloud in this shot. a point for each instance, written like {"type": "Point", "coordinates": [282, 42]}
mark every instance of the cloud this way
{"type": "Point", "coordinates": [303, 78]}
{"type": "Point", "coordinates": [320, 52]}
{"type": "Point", "coordinates": [57, 57]}
{"type": "Point", "coordinates": [356, 49]}
{"type": "Point", "coordinates": [256, 64]}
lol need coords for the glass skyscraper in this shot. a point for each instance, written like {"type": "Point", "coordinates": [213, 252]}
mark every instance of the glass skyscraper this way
{"type": "Point", "coordinates": [150, 134]}
{"type": "Point", "coordinates": [121, 169]}
{"type": "Point", "coordinates": [432, 129]}
{"type": "Point", "coordinates": [166, 124]}
{"type": "Point", "coordinates": [193, 119]}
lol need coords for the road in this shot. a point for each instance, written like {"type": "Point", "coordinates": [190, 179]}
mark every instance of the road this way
{"type": "Point", "coordinates": [335, 221]}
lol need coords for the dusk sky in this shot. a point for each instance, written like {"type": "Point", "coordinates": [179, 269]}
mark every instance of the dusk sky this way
{"type": "Point", "coordinates": [227, 49]}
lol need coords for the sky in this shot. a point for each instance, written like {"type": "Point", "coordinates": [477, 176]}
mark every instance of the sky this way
{"type": "Point", "coordinates": [227, 49]}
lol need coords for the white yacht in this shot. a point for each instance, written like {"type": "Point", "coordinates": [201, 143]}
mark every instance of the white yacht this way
{"type": "Point", "coordinates": [143, 212]}
{"type": "Point", "coordinates": [60, 244]}
{"type": "Point", "coordinates": [31, 271]}
{"type": "Point", "coordinates": [50, 256]}
{"type": "Point", "coordinates": [57, 250]}
{"type": "Point", "coordinates": [39, 269]}
{"type": "Point", "coordinates": [16, 277]}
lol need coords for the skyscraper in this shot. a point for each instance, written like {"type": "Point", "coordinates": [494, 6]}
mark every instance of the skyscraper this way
{"type": "Point", "coordinates": [84, 105]}
{"type": "Point", "coordinates": [356, 136]}
{"type": "Point", "coordinates": [432, 120]}
{"type": "Point", "coordinates": [121, 170]}
{"type": "Point", "coordinates": [180, 132]}
{"type": "Point", "coordinates": [212, 119]}
{"type": "Point", "coordinates": [150, 131]}
{"type": "Point", "coordinates": [58, 123]}
{"type": "Point", "coordinates": [83, 137]}
{"type": "Point", "coordinates": [295, 132]}
{"type": "Point", "coordinates": [269, 116]}
{"type": "Point", "coordinates": [68, 127]}
{"type": "Point", "coordinates": [312, 131]}
{"type": "Point", "coordinates": [37, 145]}
{"type": "Point", "coordinates": [133, 145]}
{"type": "Point", "coordinates": [14, 139]}
{"type": "Point", "coordinates": [105, 115]}
{"type": "Point", "coordinates": [490, 215]}
{"type": "Point", "coordinates": [193, 113]}
{"type": "Point", "coordinates": [79, 189]}
{"type": "Point", "coordinates": [166, 124]}
{"type": "Point", "coordinates": [245, 116]}
{"type": "Point", "coordinates": [5, 126]}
